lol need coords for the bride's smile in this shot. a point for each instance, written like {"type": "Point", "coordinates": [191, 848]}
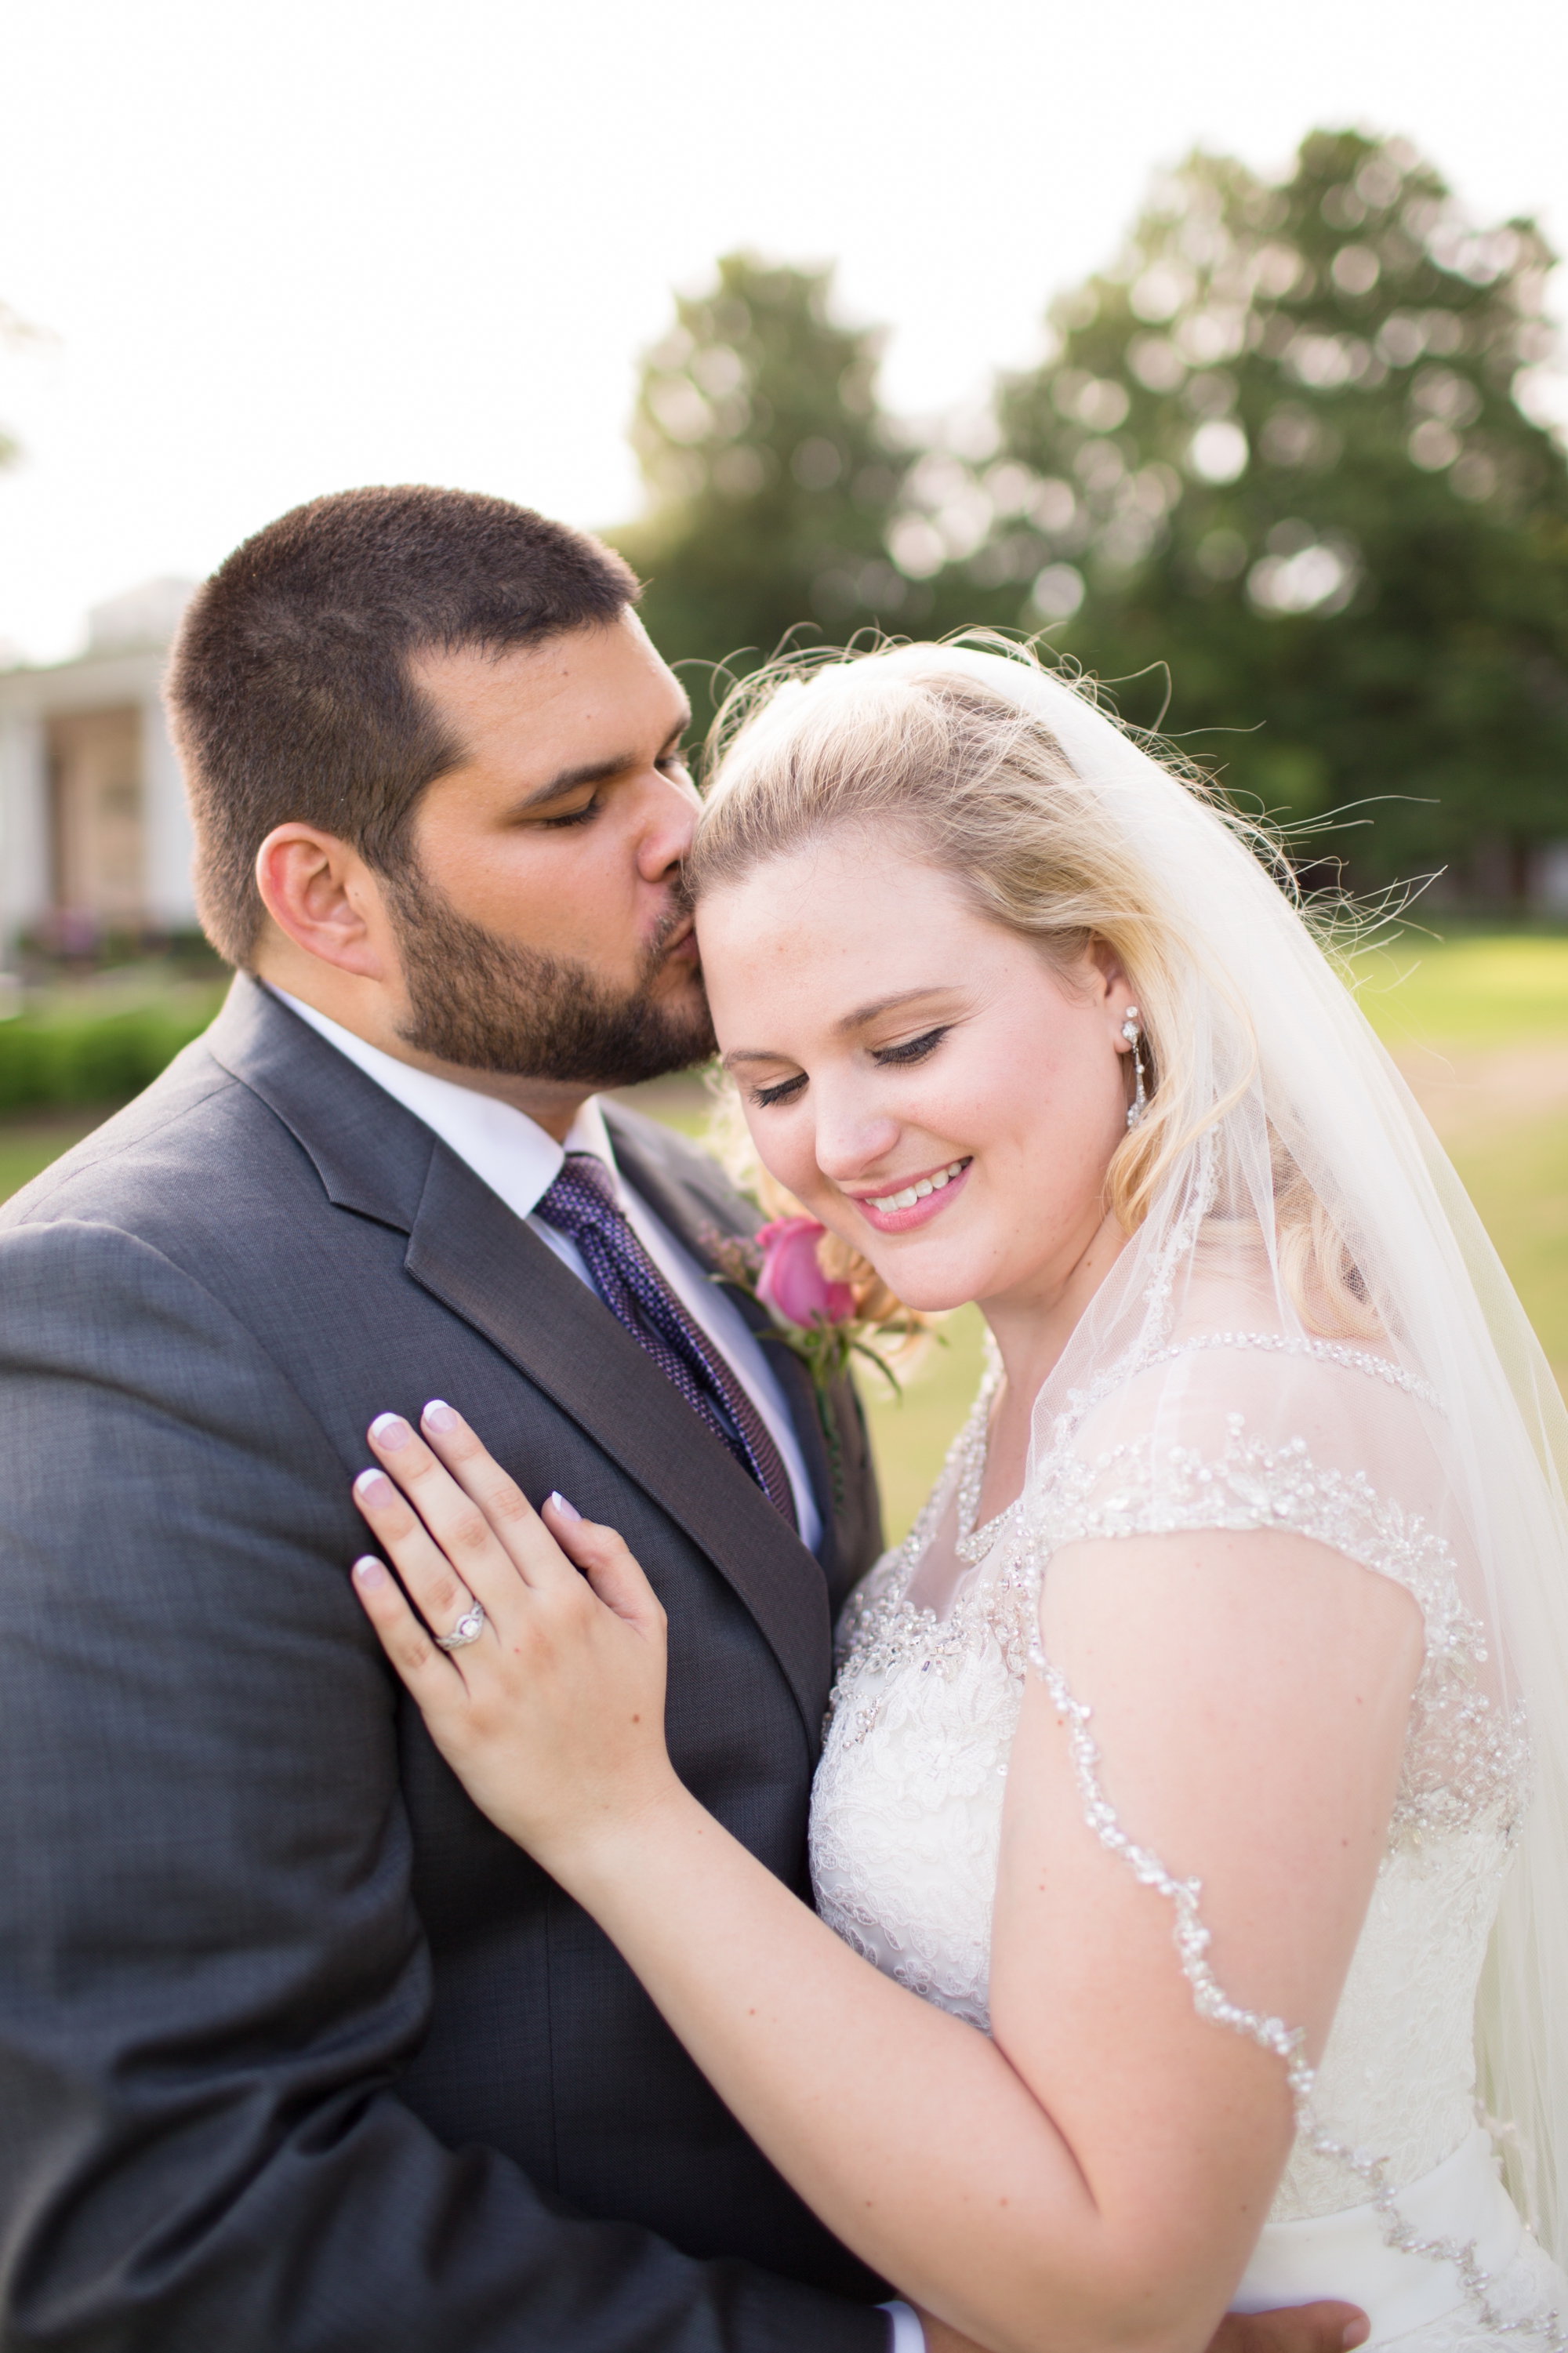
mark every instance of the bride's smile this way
{"type": "Point", "coordinates": [929, 1085]}
{"type": "Point", "coordinates": [915, 1202]}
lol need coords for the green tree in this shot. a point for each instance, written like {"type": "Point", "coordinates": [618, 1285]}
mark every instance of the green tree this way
{"type": "Point", "coordinates": [1292, 446]}
{"type": "Point", "coordinates": [772, 476]}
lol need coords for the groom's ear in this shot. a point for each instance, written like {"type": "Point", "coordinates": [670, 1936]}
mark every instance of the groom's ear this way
{"type": "Point", "coordinates": [319, 895]}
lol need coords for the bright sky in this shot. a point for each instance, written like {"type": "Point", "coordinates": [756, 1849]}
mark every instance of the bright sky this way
{"type": "Point", "coordinates": [281, 249]}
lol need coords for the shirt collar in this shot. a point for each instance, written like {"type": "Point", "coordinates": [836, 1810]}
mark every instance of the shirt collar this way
{"type": "Point", "coordinates": [506, 1150]}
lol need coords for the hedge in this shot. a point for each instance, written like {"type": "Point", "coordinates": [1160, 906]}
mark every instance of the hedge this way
{"type": "Point", "coordinates": [77, 1056]}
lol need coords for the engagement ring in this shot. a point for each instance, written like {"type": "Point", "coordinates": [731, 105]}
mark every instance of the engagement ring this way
{"type": "Point", "coordinates": [468, 1628]}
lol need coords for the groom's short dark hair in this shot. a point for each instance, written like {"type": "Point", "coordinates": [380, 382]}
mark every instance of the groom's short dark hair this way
{"type": "Point", "coordinates": [290, 691]}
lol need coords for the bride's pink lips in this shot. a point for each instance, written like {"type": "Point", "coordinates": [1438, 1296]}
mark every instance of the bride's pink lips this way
{"type": "Point", "coordinates": [919, 1213]}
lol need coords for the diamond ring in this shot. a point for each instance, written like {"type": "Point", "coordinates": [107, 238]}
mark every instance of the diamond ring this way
{"type": "Point", "coordinates": [468, 1628]}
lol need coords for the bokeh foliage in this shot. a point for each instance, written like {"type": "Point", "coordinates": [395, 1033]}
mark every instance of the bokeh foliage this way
{"type": "Point", "coordinates": [770, 480]}
{"type": "Point", "coordinates": [1284, 476]}
{"type": "Point", "coordinates": [1293, 425]}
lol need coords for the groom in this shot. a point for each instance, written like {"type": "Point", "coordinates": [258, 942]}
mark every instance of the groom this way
{"type": "Point", "coordinates": [296, 2053]}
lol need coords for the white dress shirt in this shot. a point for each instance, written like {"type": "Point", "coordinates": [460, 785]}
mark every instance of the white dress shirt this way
{"type": "Point", "coordinates": [513, 1154]}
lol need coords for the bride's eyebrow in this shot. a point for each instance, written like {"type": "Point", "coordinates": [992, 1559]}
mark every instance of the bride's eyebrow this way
{"type": "Point", "coordinates": [865, 1014]}
{"type": "Point", "coordinates": [751, 1054]}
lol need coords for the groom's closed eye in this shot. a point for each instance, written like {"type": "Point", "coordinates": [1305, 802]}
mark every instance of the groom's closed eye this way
{"type": "Point", "coordinates": [669, 763]}
{"type": "Point", "coordinates": [585, 816]}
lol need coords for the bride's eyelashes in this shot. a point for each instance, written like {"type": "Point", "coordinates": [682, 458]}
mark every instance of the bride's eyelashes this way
{"type": "Point", "coordinates": [913, 1049]}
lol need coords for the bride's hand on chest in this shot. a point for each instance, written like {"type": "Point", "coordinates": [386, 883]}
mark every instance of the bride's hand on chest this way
{"type": "Point", "coordinates": [535, 1646]}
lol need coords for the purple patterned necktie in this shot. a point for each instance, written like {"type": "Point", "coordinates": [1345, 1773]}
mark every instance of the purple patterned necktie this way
{"type": "Point", "coordinates": [580, 1203]}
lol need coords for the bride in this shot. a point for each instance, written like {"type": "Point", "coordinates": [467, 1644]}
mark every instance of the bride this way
{"type": "Point", "coordinates": [1207, 1743]}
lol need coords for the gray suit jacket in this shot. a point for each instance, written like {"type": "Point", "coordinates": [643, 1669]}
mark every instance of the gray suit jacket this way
{"type": "Point", "coordinates": [298, 2054]}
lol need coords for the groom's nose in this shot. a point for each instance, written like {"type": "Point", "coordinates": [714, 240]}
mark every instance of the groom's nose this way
{"type": "Point", "coordinates": [669, 822]}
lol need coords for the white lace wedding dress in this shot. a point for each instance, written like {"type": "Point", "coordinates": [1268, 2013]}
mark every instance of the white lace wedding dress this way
{"type": "Point", "coordinates": [1391, 2197]}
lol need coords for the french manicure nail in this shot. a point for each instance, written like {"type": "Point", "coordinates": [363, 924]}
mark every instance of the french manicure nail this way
{"type": "Point", "coordinates": [369, 1571]}
{"type": "Point", "coordinates": [374, 1487]}
{"type": "Point", "coordinates": [390, 1430]}
{"type": "Point", "coordinates": [438, 1415]}
{"type": "Point", "coordinates": [567, 1511]}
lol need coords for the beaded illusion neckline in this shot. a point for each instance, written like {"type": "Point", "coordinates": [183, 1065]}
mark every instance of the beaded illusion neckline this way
{"type": "Point", "coordinates": [972, 1543]}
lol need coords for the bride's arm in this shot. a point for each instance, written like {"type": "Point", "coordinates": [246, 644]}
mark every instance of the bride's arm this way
{"type": "Point", "coordinates": [1096, 2176]}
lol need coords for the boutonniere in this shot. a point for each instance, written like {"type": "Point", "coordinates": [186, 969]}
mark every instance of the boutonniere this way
{"type": "Point", "coordinates": [824, 1321]}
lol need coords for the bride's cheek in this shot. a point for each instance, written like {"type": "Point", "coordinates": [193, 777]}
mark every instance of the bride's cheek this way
{"type": "Point", "coordinates": [785, 1142]}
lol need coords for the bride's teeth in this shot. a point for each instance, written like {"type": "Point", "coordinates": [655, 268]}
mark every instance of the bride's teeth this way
{"type": "Point", "coordinates": [920, 1190]}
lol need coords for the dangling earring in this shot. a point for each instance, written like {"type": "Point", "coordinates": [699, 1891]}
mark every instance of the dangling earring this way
{"type": "Point", "coordinates": [1132, 1034]}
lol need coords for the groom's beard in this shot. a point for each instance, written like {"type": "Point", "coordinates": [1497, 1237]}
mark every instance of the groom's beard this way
{"type": "Point", "coordinates": [486, 1004]}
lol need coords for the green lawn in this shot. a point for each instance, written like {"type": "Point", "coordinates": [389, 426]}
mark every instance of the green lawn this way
{"type": "Point", "coordinates": [1481, 1027]}
{"type": "Point", "coordinates": [910, 1434]}
{"type": "Point", "coordinates": [1464, 995]}
{"type": "Point", "coordinates": [28, 1145]}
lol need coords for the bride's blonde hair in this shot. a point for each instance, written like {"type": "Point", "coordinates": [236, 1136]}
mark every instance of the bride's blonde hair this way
{"type": "Point", "coordinates": [919, 755]}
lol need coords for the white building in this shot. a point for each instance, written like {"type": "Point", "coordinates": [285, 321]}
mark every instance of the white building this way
{"type": "Point", "coordinates": [93, 831]}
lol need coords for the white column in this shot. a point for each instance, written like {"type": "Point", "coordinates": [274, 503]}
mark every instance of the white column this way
{"type": "Point", "coordinates": [166, 825]}
{"type": "Point", "coordinates": [23, 827]}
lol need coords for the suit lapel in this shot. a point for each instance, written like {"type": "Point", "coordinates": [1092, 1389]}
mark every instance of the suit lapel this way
{"type": "Point", "coordinates": [469, 1251]}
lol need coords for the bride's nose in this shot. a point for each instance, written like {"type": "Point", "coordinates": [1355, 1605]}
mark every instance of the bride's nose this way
{"type": "Point", "coordinates": [852, 1137]}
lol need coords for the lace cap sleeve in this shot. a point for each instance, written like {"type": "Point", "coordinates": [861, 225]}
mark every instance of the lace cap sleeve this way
{"type": "Point", "coordinates": [1250, 1430]}
{"type": "Point", "coordinates": [1319, 1438]}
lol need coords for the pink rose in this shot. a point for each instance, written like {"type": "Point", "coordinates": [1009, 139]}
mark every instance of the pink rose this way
{"type": "Point", "coordinates": [791, 1285]}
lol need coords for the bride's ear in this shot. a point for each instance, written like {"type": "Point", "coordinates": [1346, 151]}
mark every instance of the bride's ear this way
{"type": "Point", "coordinates": [1110, 985]}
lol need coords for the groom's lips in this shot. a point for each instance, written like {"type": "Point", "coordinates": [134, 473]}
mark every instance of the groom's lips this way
{"type": "Point", "coordinates": [919, 1213]}
{"type": "Point", "coordinates": [682, 945]}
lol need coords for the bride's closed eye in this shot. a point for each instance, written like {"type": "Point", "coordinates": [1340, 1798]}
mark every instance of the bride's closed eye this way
{"type": "Point", "coordinates": [785, 1092]}
{"type": "Point", "coordinates": [912, 1050]}
{"type": "Point", "coordinates": [908, 1050]}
